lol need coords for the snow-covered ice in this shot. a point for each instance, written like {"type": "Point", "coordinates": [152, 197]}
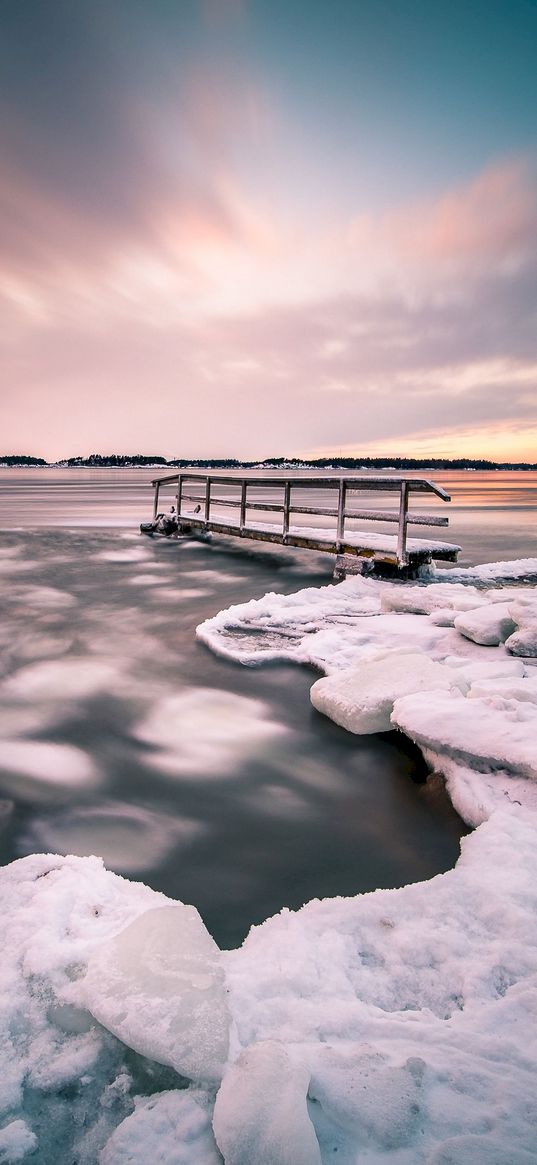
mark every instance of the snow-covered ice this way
{"type": "Point", "coordinates": [171, 1128]}
{"type": "Point", "coordinates": [361, 699]}
{"type": "Point", "coordinates": [158, 986]}
{"type": "Point", "coordinates": [393, 1028]}
{"type": "Point", "coordinates": [387, 1028]}
{"type": "Point", "coordinates": [261, 1109]}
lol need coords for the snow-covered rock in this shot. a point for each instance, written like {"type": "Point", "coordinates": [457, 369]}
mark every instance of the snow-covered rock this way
{"type": "Point", "coordinates": [159, 987]}
{"type": "Point", "coordinates": [362, 699]}
{"type": "Point", "coordinates": [261, 1114]}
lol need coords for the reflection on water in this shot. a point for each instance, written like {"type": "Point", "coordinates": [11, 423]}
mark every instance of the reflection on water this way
{"type": "Point", "coordinates": [123, 736]}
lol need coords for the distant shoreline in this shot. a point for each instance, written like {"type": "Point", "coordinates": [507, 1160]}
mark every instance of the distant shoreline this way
{"type": "Point", "coordinates": [139, 461]}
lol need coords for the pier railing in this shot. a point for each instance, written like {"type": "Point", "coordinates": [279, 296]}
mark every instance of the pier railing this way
{"type": "Point", "coordinates": [213, 492]}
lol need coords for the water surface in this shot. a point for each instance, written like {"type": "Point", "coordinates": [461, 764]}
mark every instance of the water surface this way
{"type": "Point", "coordinates": [216, 784]}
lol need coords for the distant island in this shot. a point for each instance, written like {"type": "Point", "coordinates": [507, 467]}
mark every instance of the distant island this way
{"type": "Point", "coordinates": [141, 460]}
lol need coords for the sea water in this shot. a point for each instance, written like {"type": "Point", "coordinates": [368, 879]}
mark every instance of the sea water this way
{"type": "Point", "coordinates": [123, 736]}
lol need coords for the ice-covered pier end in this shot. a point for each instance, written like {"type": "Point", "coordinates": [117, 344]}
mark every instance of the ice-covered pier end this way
{"type": "Point", "coordinates": [231, 504]}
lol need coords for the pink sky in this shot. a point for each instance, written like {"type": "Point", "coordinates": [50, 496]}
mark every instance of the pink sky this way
{"type": "Point", "coordinates": [203, 277]}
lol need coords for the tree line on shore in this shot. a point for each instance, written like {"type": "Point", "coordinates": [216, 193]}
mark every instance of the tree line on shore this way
{"type": "Point", "coordinates": [140, 460]}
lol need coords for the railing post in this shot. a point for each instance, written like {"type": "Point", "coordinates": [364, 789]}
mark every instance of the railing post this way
{"type": "Point", "coordinates": [155, 503]}
{"type": "Point", "coordinates": [207, 499]}
{"type": "Point", "coordinates": [179, 493]}
{"type": "Point", "coordinates": [342, 497]}
{"type": "Point", "coordinates": [242, 521]}
{"type": "Point", "coordinates": [401, 532]}
{"type": "Point", "coordinates": [286, 507]}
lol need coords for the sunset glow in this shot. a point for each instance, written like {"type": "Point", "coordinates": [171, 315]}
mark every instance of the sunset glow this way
{"type": "Point", "coordinates": [237, 229]}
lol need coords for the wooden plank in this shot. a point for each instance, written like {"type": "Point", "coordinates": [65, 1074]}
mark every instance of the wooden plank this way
{"type": "Point", "coordinates": [329, 511]}
{"type": "Point", "coordinates": [353, 482]}
{"type": "Point", "coordinates": [329, 546]}
{"type": "Point", "coordinates": [401, 527]}
{"type": "Point", "coordinates": [244, 486]}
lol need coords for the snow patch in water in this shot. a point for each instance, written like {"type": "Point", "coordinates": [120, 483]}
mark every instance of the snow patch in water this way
{"type": "Point", "coordinates": [207, 732]}
{"type": "Point", "coordinates": [129, 839]}
{"type": "Point", "coordinates": [45, 764]}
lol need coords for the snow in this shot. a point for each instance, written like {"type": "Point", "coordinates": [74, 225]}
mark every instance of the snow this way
{"type": "Point", "coordinates": [394, 1028]}
{"type": "Point", "coordinates": [492, 731]}
{"type": "Point", "coordinates": [490, 624]}
{"type": "Point", "coordinates": [16, 1142]}
{"type": "Point", "coordinates": [362, 699]}
{"type": "Point", "coordinates": [359, 538]}
{"type": "Point", "coordinates": [442, 656]}
{"type": "Point", "coordinates": [158, 986]}
{"type": "Point", "coordinates": [382, 1028]}
{"type": "Point", "coordinates": [261, 1112]}
{"type": "Point", "coordinates": [171, 1128]}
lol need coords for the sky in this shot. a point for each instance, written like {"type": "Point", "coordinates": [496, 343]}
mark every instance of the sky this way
{"type": "Point", "coordinates": [255, 228]}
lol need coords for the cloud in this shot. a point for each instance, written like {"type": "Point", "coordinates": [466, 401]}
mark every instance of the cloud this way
{"type": "Point", "coordinates": [490, 221]}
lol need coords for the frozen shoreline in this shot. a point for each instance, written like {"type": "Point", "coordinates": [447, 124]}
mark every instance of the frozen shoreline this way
{"type": "Point", "coordinates": [397, 1026]}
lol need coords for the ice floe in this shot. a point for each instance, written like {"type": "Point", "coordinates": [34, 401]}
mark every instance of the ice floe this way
{"type": "Point", "coordinates": [362, 699]}
{"type": "Point", "coordinates": [413, 657]}
{"type": "Point", "coordinates": [398, 1026]}
{"type": "Point", "coordinates": [395, 1028]}
{"type": "Point", "coordinates": [158, 986]}
{"type": "Point", "coordinates": [261, 1109]}
{"type": "Point", "coordinates": [206, 732]}
{"type": "Point", "coordinates": [171, 1128]}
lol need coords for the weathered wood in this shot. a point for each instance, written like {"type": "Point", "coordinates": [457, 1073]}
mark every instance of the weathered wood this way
{"type": "Point", "coordinates": [286, 507]}
{"type": "Point", "coordinates": [244, 487]}
{"type": "Point", "coordinates": [414, 518]}
{"type": "Point", "coordinates": [377, 483]}
{"type": "Point", "coordinates": [401, 527]}
{"type": "Point", "coordinates": [342, 496]}
{"type": "Point", "coordinates": [155, 503]}
{"type": "Point", "coordinates": [360, 550]}
{"type": "Point", "coordinates": [357, 543]}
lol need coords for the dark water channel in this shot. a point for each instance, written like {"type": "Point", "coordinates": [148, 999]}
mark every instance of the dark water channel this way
{"type": "Point", "coordinates": [214, 783]}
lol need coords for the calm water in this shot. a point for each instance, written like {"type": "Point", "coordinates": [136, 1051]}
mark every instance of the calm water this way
{"type": "Point", "coordinates": [216, 784]}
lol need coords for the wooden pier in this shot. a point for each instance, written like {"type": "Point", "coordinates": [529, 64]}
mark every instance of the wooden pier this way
{"type": "Point", "coordinates": [231, 504]}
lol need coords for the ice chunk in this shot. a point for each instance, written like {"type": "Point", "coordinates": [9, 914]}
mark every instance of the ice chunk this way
{"type": "Point", "coordinates": [489, 625]}
{"type": "Point", "coordinates": [510, 687]}
{"type": "Point", "coordinates": [171, 1128]}
{"type": "Point", "coordinates": [496, 732]}
{"type": "Point", "coordinates": [361, 699]}
{"type": "Point", "coordinates": [497, 665]}
{"type": "Point", "coordinates": [16, 1141]}
{"type": "Point", "coordinates": [261, 1115]}
{"type": "Point", "coordinates": [524, 640]}
{"type": "Point", "coordinates": [206, 731]}
{"type": "Point", "coordinates": [487, 572]}
{"type": "Point", "coordinates": [476, 795]}
{"type": "Point", "coordinates": [376, 1101]}
{"type": "Point", "coordinates": [158, 986]}
{"type": "Point", "coordinates": [426, 599]}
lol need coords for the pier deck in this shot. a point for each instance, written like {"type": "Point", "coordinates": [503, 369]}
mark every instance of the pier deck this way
{"type": "Point", "coordinates": [230, 504]}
